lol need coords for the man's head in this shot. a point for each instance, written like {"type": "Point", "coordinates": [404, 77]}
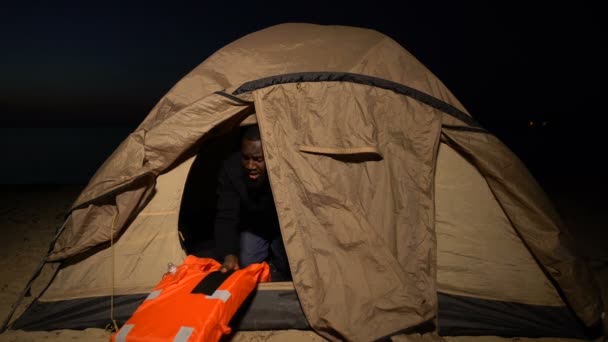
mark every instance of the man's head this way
{"type": "Point", "coordinates": [252, 157]}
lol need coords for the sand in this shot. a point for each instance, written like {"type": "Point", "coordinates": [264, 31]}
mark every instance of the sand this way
{"type": "Point", "coordinates": [29, 216]}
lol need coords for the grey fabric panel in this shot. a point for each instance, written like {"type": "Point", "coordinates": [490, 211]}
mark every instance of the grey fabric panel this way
{"type": "Point", "coordinates": [467, 316]}
{"type": "Point", "coordinates": [270, 310]}
{"type": "Point", "coordinates": [77, 313]}
{"type": "Point", "coordinates": [280, 309]}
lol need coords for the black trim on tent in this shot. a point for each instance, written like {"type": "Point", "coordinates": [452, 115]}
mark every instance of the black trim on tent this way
{"type": "Point", "coordinates": [360, 79]}
{"type": "Point", "coordinates": [280, 309]}
{"type": "Point", "coordinates": [234, 98]}
{"type": "Point", "coordinates": [465, 129]}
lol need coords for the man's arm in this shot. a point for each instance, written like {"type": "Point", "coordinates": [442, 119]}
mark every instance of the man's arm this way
{"type": "Point", "coordinates": [227, 221]}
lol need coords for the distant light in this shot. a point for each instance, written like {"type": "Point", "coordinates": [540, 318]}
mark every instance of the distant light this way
{"type": "Point", "coordinates": [531, 123]}
{"type": "Point", "coordinates": [544, 123]}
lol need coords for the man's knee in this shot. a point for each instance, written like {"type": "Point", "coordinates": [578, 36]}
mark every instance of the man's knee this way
{"type": "Point", "coordinates": [249, 257]}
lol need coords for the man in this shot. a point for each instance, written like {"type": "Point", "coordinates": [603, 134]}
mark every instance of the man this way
{"type": "Point", "coordinates": [246, 226]}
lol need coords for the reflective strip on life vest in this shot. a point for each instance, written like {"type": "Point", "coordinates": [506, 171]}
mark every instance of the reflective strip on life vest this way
{"type": "Point", "coordinates": [124, 331]}
{"type": "Point", "coordinates": [154, 294]}
{"type": "Point", "coordinates": [183, 334]}
{"type": "Point", "coordinates": [222, 295]}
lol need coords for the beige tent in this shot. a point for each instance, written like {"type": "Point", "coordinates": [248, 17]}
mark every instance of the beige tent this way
{"type": "Point", "coordinates": [398, 211]}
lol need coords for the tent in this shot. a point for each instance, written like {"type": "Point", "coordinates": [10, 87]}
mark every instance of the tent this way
{"type": "Point", "coordinates": [399, 212]}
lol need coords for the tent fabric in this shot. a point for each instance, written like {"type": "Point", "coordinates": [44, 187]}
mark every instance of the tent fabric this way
{"type": "Point", "coordinates": [352, 126]}
{"type": "Point", "coordinates": [479, 253]}
{"type": "Point", "coordinates": [138, 258]}
{"type": "Point", "coordinates": [534, 218]}
{"type": "Point", "coordinates": [146, 152]}
{"type": "Point", "coordinates": [334, 213]}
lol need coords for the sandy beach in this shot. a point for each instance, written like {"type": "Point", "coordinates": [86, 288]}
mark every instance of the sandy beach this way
{"type": "Point", "coordinates": [29, 216]}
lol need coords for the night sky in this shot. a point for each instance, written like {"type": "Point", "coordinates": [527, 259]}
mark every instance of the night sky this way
{"type": "Point", "coordinates": [75, 77]}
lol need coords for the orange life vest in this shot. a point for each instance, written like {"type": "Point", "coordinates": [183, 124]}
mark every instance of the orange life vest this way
{"type": "Point", "coordinates": [179, 310]}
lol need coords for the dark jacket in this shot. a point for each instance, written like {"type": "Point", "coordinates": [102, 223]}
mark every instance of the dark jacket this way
{"type": "Point", "coordinates": [241, 207]}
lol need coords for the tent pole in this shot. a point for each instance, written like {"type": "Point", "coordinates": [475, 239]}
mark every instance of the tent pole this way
{"type": "Point", "coordinates": [5, 324]}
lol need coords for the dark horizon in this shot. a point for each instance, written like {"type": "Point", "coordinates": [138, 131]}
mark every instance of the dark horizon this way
{"type": "Point", "coordinates": [532, 75]}
{"type": "Point", "coordinates": [111, 64]}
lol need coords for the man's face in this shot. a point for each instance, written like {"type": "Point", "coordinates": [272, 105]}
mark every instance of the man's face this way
{"type": "Point", "coordinates": [252, 159]}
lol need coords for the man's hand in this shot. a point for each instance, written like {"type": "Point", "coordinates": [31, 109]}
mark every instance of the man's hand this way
{"type": "Point", "coordinates": [231, 263]}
